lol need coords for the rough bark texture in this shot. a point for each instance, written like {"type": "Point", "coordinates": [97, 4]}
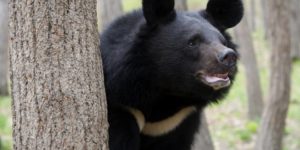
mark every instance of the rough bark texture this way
{"type": "Point", "coordinates": [254, 93]}
{"type": "Point", "coordinates": [273, 123]}
{"type": "Point", "coordinates": [3, 47]}
{"type": "Point", "coordinates": [181, 5]}
{"type": "Point", "coordinates": [203, 140]}
{"type": "Point", "coordinates": [56, 73]}
{"type": "Point", "coordinates": [295, 28]}
{"type": "Point", "coordinates": [109, 10]}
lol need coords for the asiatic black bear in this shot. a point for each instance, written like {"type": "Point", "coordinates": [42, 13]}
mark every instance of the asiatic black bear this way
{"type": "Point", "coordinates": [162, 67]}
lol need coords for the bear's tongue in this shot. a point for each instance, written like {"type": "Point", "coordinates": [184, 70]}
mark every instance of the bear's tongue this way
{"type": "Point", "coordinates": [216, 81]}
{"type": "Point", "coordinates": [216, 78]}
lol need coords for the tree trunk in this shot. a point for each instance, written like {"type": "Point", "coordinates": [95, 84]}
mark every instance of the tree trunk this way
{"type": "Point", "coordinates": [109, 10]}
{"type": "Point", "coordinates": [265, 18]}
{"type": "Point", "coordinates": [255, 101]}
{"type": "Point", "coordinates": [181, 5]}
{"type": "Point", "coordinates": [203, 140]}
{"type": "Point", "coordinates": [253, 14]}
{"type": "Point", "coordinates": [3, 48]}
{"type": "Point", "coordinates": [273, 122]}
{"type": "Point", "coordinates": [295, 28]}
{"type": "Point", "coordinates": [56, 73]}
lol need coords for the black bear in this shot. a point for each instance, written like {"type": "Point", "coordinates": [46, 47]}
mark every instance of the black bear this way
{"type": "Point", "coordinates": [162, 67]}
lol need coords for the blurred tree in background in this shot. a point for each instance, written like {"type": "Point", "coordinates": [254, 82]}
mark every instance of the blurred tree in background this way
{"type": "Point", "coordinates": [295, 28]}
{"type": "Point", "coordinates": [181, 5]}
{"type": "Point", "coordinates": [203, 139]}
{"type": "Point", "coordinates": [109, 10]}
{"type": "Point", "coordinates": [273, 122]}
{"type": "Point", "coordinates": [248, 58]}
{"type": "Point", "coordinates": [252, 15]}
{"type": "Point", "coordinates": [3, 48]}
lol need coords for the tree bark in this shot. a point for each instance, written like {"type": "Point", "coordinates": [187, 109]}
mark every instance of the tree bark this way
{"type": "Point", "coordinates": [109, 10]}
{"type": "Point", "coordinates": [56, 74]}
{"type": "Point", "coordinates": [248, 58]}
{"type": "Point", "coordinates": [3, 48]}
{"type": "Point", "coordinates": [181, 5]}
{"type": "Point", "coordinates": [203, 140]}
{"type": "Point", "coordinates": [295, 28]}
{"type": "Point", "coordinates": [273, 122]}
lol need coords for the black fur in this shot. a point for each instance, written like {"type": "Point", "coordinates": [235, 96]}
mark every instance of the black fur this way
{"type": "Point", "coordinates": [150, 64]}
{"type": "Point", "coordinates": [223, 10]}
{"type": "Point", "coordinates": [156, 11]}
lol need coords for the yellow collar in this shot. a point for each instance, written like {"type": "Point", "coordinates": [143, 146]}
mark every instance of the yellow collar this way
{"type": "Point", "coordinates": [161, 127]}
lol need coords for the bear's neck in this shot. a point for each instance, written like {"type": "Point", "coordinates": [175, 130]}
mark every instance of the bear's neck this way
{"type": "Point", "coordinates": [165, 106]}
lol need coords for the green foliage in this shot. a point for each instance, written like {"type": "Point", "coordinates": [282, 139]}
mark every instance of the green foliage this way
{"type": "Point", "coordinates": [5, 115]}
{"type": "Point", "coordinates": [6, 145]}
{"type": "Point", "coordinates": [2, 122]}
{"type": "Point", "coordinates": [5, 123]}
{"type": "Point", "coordinates": [196, 4]}
{"type": "Point", "coordinates": [5, 102]}
{"type": "Point", "coordinates": [244, 135]}
{"type": "Point", "coordinates": [252, 127]}
{"type": "Point", "coordinates": [294, 111]}
{"type": "Point", "coordinates": [129, 5]}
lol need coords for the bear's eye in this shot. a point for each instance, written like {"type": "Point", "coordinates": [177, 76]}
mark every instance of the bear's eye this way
{"type": "Point", "coordinates": [194, 41]}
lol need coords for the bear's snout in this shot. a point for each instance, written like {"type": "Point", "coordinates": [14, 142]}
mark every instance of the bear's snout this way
{"type": "Point", "coordinates": [227, 57]}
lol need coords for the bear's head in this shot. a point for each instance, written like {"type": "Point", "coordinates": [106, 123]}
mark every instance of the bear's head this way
{"type": "Point", "coordinates": [192, 54]}
{"type": "Point", "coordinates": [160, 53]}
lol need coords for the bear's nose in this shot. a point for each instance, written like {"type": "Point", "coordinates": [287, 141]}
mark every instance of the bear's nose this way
{"type": "Point", "coordinates": [228, 57]}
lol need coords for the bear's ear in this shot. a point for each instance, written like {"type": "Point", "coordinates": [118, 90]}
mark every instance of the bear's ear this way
{"type": "Point", "coordinates": [225, 13]}
{"type": "Point", "coordinates": [156, 11]}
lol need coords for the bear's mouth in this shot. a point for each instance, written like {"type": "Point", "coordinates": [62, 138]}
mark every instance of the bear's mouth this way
{"type": "Point", "coordinates": [216, 81]}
